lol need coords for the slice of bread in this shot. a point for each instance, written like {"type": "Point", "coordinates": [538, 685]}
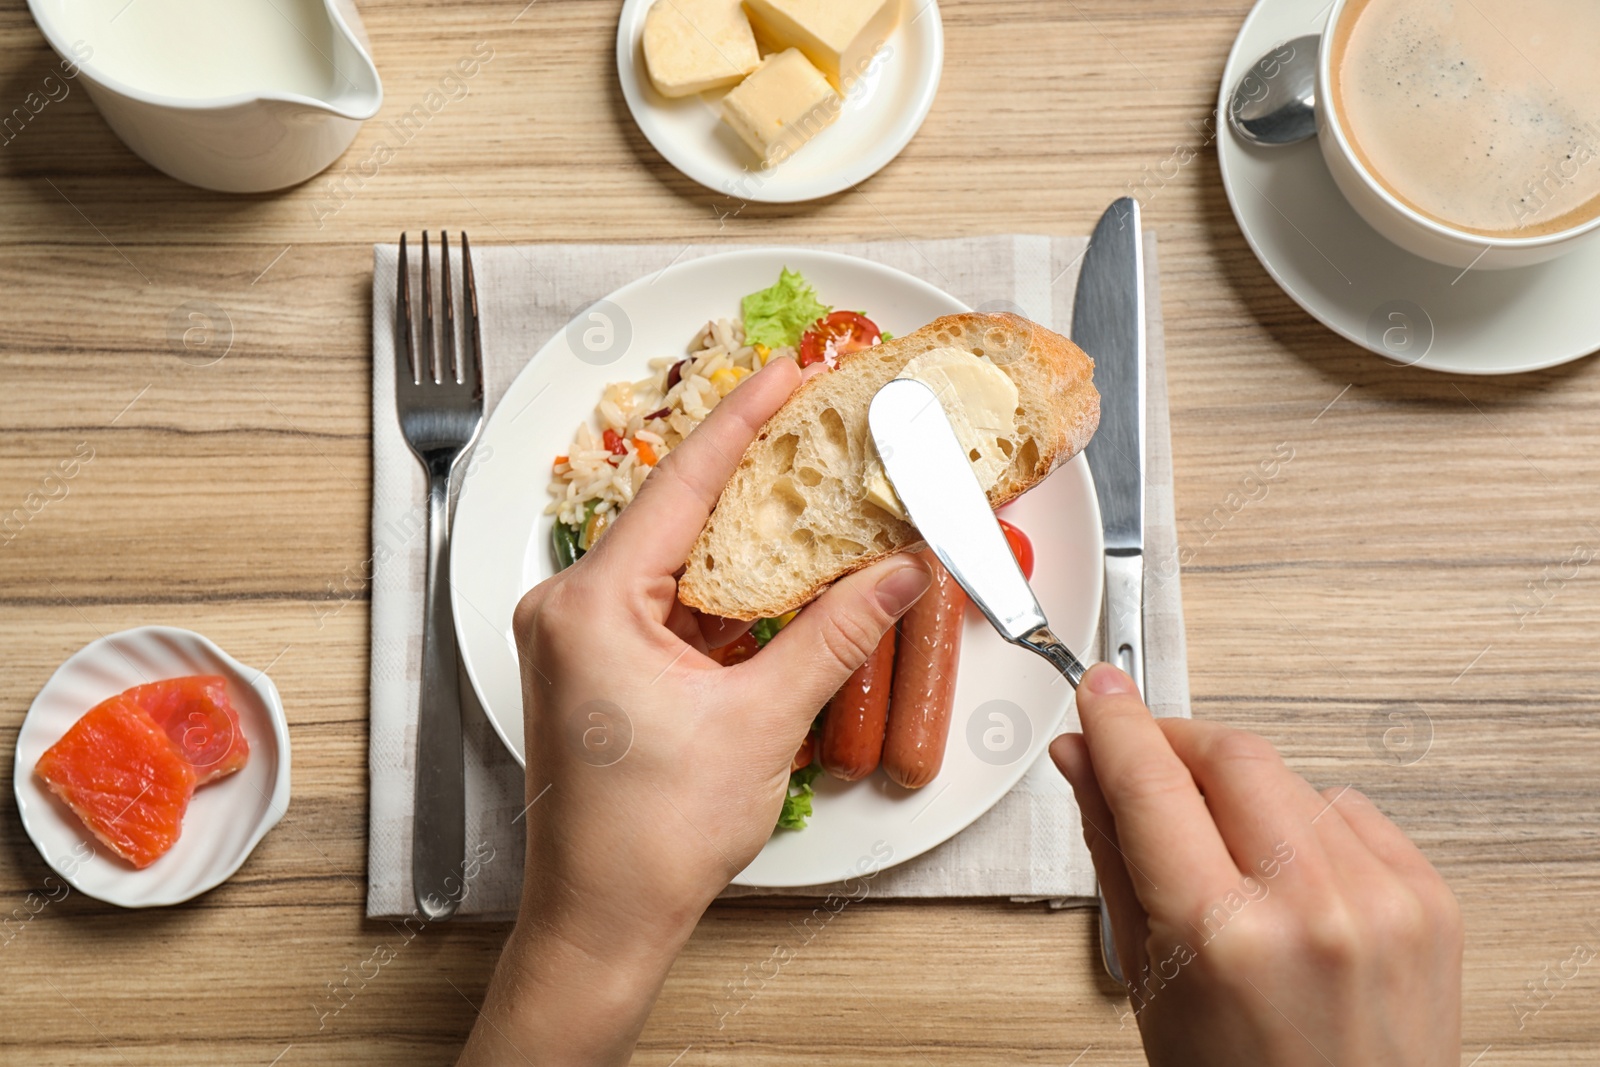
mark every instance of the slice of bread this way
{"type": "Point", "coordinates": [794, 517]}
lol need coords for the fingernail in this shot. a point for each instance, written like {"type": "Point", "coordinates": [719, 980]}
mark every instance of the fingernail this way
{"type": "Point", "coordinates": [1065, 757]}
{"type": "Point", "coordinates": [1104, 680]}
{"type": "Point", "coordinates": [900, 588]}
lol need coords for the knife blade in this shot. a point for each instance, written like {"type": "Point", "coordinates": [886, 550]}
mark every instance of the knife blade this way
{"type": "Point", "coordinates": [933, 479]}
{"type": "Point", "coordinates": [1108, 324]}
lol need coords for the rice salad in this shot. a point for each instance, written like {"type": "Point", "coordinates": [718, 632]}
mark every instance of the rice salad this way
{"type": "Point", "coordinates": [636, 424]}
{"type": "Point", "coordinates": [639, 422]}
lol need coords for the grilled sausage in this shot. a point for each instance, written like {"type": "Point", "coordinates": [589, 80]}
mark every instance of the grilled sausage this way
{"type": "Point", "coordinates": [924, 687]}
{"type": "Point", "coordinates": [852, 730]}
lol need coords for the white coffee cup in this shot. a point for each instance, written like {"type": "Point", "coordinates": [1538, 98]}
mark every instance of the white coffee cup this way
{"type": "Point", "coordinates": [1399, 222]}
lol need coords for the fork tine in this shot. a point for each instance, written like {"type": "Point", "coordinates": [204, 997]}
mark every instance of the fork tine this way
{"type": "Point", "coordinates": [473, 368]}
{"type": "Point", "coordinates": [406, 351]}
{"type": "Point", "coordinates": [432, 374]}
{"type": "Point", "coordinates": [448, 371]}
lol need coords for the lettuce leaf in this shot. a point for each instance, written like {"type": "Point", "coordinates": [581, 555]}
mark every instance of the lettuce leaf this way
{"type": "Point", "coordinates": [777, 316]}
{"type": "Point", "coordinates": [764, 630]}
{"type": "Point", "coordinates": [797, 805]}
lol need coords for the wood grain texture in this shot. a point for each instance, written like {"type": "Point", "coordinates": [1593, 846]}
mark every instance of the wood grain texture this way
{"type": "Point", "coordinates": [1404, 571]}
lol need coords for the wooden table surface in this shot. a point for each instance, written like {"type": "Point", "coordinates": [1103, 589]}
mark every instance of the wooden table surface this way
{"type": "Point", "coordinates": [1405, 607]}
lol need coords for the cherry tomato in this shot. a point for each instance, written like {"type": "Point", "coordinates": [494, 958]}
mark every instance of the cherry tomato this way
{"type": "Point", "coordinates": [613, 442]}
{"type": "Point", "coordinates": [1021, 547]}
{"type": "Point", "coordinates": [839, 334]}
{"type": "Point", "coordinates": [736, 651]}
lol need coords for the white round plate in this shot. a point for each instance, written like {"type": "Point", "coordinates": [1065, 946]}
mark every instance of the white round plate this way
{"type": "Point", "coordinates": [226, 818]}
{"type": "Point", "coordinates": [500, 547]}
{"type": "Point", "coordinates": [881, 113]}
{"type": "Point", "coordinates": [1368, 290]}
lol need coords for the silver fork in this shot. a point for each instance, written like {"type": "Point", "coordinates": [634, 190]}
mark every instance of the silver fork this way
{"type": "Point", "coordinates": [440, 406]}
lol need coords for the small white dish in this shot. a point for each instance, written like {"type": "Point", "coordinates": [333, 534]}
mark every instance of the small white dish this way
{"type": "Point", "coordinates": [226, 819]}
{"type": "Point", "coordinates": [880, 115]}
{"type": "Point", "coordinates": [500, 547]}
{"type": "Point", "coordinates": [1365, 288]}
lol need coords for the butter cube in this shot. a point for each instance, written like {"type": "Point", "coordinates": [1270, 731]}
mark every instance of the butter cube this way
{"type": "Point", "coordinates": [839, 36]}
{"type": "Point", "coordinates": [694, 45]}
{"type": "Point", "coordinates": [781, 106]}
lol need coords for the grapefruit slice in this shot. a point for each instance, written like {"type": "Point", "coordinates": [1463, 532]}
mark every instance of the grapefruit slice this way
{"type": "Point", "coordinates": [118, 772]}
{"type": "Point", "coordinates": [195, 714]}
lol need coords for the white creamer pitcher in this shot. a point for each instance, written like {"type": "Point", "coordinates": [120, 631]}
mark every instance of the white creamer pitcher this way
{"type": "Point", "coordinates": [242, 96]}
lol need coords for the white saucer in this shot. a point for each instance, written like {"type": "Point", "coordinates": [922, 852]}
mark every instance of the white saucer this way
{"type": "Point", "coordinates": [880, 115]}
{"type": "Point", "coordinates": [1368, 290]}
{"type": "Point", "coordinates": [226, 819]}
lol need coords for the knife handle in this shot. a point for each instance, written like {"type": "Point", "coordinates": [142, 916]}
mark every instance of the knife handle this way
{"type": "Point", "coordinates": [1109, 959]}
{"type": "Point", "coordinates": [1123, 629]}
{"type": "Point", "coordinates": [1041, 640]}
{"type": "Point", "coordinates": [1123, 626]}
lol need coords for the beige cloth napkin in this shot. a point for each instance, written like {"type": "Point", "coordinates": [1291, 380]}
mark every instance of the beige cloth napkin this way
{"type": "Point", "coordinates": [1028, 847]}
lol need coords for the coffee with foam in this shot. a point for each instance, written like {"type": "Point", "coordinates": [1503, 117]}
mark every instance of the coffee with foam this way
{"type": "Point", "coordinates": [1480, 114]}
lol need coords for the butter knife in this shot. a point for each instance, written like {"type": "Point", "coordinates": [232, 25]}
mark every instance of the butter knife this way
{"type": "Point", "coordinates": [933, 479]}
{"type": "Point", "coordinates": [1108, 324]}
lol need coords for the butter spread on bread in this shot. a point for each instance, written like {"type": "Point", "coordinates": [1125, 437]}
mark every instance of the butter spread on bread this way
{"type": "Point", "coordinates": [981, 404]}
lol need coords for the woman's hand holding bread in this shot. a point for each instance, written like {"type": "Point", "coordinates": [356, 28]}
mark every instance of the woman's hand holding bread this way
{"type": "Point", "coordinates": [655, 775]}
